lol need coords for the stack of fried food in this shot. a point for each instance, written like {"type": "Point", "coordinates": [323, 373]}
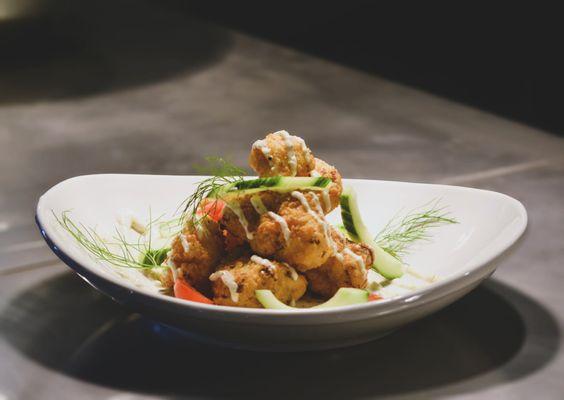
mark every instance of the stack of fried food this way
{"type": "Point", "coordinates": [273, 239]}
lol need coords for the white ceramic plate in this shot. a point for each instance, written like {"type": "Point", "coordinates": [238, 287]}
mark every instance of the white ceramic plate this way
{"type": "Point", "coordinates": [462, 255]}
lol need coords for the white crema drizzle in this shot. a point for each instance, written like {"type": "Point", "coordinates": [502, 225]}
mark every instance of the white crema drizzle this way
{"type": "Point", "coordinates": [290, 153]}
{"type": "Point", "coordinates": [293, 272]}
{"type": "Point", "coordinates": [332, 243]}
{"type": "Point", "coordinates": [184, 242]}
{"type": "Point", "coordinates": [320, 220]}
{"type": "Point", "coordinates": [326, 199]}
{"type": "Point", "coordinates": [358, 259]}
{"type": "Point", "coordinates": [258, 205]}
{"type": "Point", "coordinates": [283, 225]}
{"type": "Point", "coordinates": [317, 204]}
{"type": "Point", "coordinates": [229, 281]}
{"type": "Point", "coordinates": [340, 234]}
{"type": "Point", "coordinates": [264, 262]}
{"type": "Point", "coordinates": [236, 208]}
{"type": "Point", "coordinates": [265, 150]}
{"type": "Point", "coordinates": [201, 230]}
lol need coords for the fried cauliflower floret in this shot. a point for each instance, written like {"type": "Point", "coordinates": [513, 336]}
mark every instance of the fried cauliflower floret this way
{"type": "Point", "coordinates": [281, 154]}
{"type": "Point", "coordinates": [196, 251]}
{"type": "Point", "coordinates": [348, 270]}
{"type": "Point", "coordinates": [335, 188]}
{"type": "Point", "coordinates": [234, 283]}
{"type": "Point", "coordinates": [240, 219]}
{"type": "Point", "coordinates": [298, 234]}
{"type": "Point", "coordinates": [241, 215]}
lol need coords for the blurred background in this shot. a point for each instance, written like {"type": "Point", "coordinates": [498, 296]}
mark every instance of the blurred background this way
{"type": "Point", "coordinates": [460, 94]}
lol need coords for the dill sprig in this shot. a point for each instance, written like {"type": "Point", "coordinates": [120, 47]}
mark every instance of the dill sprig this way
{"type": "Point", "coordinates": [401, 232]}
{"type": "Point", "coordinates": [222, 172]}
{"type": "Point", "coordinates": [127, 254]}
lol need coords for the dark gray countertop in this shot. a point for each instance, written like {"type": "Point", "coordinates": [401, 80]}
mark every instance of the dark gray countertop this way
{"type": "Point", "coordinates": [206, 90]}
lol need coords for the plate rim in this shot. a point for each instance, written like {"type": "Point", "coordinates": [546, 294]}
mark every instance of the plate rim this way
{"type": "Point", "coordinates": [419, 297]}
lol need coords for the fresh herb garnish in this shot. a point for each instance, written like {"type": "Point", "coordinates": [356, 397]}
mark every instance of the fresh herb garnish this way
{"type": "Point", "coordinates": [222, 173]}
{"type": "Point", "coordinates": [403, 231]}
{"type": "Point", "coordinates": [155, 257]}
{"type": "Point", "coordinates": [118, 251]}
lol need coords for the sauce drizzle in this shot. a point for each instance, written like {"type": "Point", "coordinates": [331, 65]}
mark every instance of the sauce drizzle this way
{"type": "Point", "coordinates": [258, 205]}
{"type": "Point", "coordinates": [229, 281]}
{"type": "Point", "coordinates": [283, 225]}
{"type": "Point", "coordinates": [326, 199]}
{"type": "Point", "coordinates": [320, 220]}
{"type": "Point", "coordinates": [291, 155]}
{"type": "Point", "coordinates": [184, 243]}
{"type": "Point", "coordinates": [293, 272]}
{"type": "Point", "coordinates": [358, 259]}
{"type": "Point", "coordinates": [265, 150]}
{"type": "Point", "coordinates": [236, 208]}
{"type": "Point", "coordinates": [264, 262]}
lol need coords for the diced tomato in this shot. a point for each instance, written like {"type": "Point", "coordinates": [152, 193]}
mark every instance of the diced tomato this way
{"type": "Point", "coordinates": [374, 297]}
{"type": "Point", "coordinates": [183, 290]}
{"type": "Point", "coordinates": [212, 208]}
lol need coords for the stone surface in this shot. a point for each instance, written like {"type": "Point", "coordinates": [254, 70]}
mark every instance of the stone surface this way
{"type": "Point", "coordinates": [122, 109]}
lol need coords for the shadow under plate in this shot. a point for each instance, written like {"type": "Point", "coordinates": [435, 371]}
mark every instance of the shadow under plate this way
{"type": "Point", "coordinates": [64, 324]}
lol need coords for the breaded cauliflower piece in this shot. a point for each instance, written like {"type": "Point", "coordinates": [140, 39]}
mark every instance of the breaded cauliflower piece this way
{"type": "Point", "coordinates": [350, 270]}
{"type": "Point", "coordinates": [196, 251]}
{"type": "Point", "coordinates": [240, 219]}
{"type": "Point", "coordinates": [335, 188]}
{"type": "Point", "coordinates": [280, 153]}
{"type": "Point", "coordinates": [298, 234]}
{"type": "Point", "coordinates": [234, 283]}
{"type": "Point", "coordinates": [241, 215]}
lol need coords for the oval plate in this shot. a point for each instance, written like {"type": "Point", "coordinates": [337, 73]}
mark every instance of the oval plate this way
{"type": "Point", "coordinates": [462, 255]}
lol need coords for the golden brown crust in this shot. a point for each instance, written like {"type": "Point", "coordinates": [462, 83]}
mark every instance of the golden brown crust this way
{"type": "Point", "coordinates": [335, 273]}
{"type": "Point", "coordinates": [335, 188]}
{"type": "Point", "coordinates": [232, 223]}
{"type": "Point", "coordinates": [308, 245]}
{"type": "Point", "coordinates": [251, 276]}
{"type": "Point", "coordinates": [270, 156]}
{"type": "Point", "coordinates": [196, 251]}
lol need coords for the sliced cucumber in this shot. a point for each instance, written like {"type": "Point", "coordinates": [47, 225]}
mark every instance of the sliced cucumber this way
{"type": "Point", "coordinates": [274, 183]}
{"type": "Point", "coordinates": [387, 265]}
{"type": "Point", "coordinates": [269, 300]}
{"type": "Point", "coordinates": [343, 297]}
{"type": "Point", "coordinates": [282, 182]}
